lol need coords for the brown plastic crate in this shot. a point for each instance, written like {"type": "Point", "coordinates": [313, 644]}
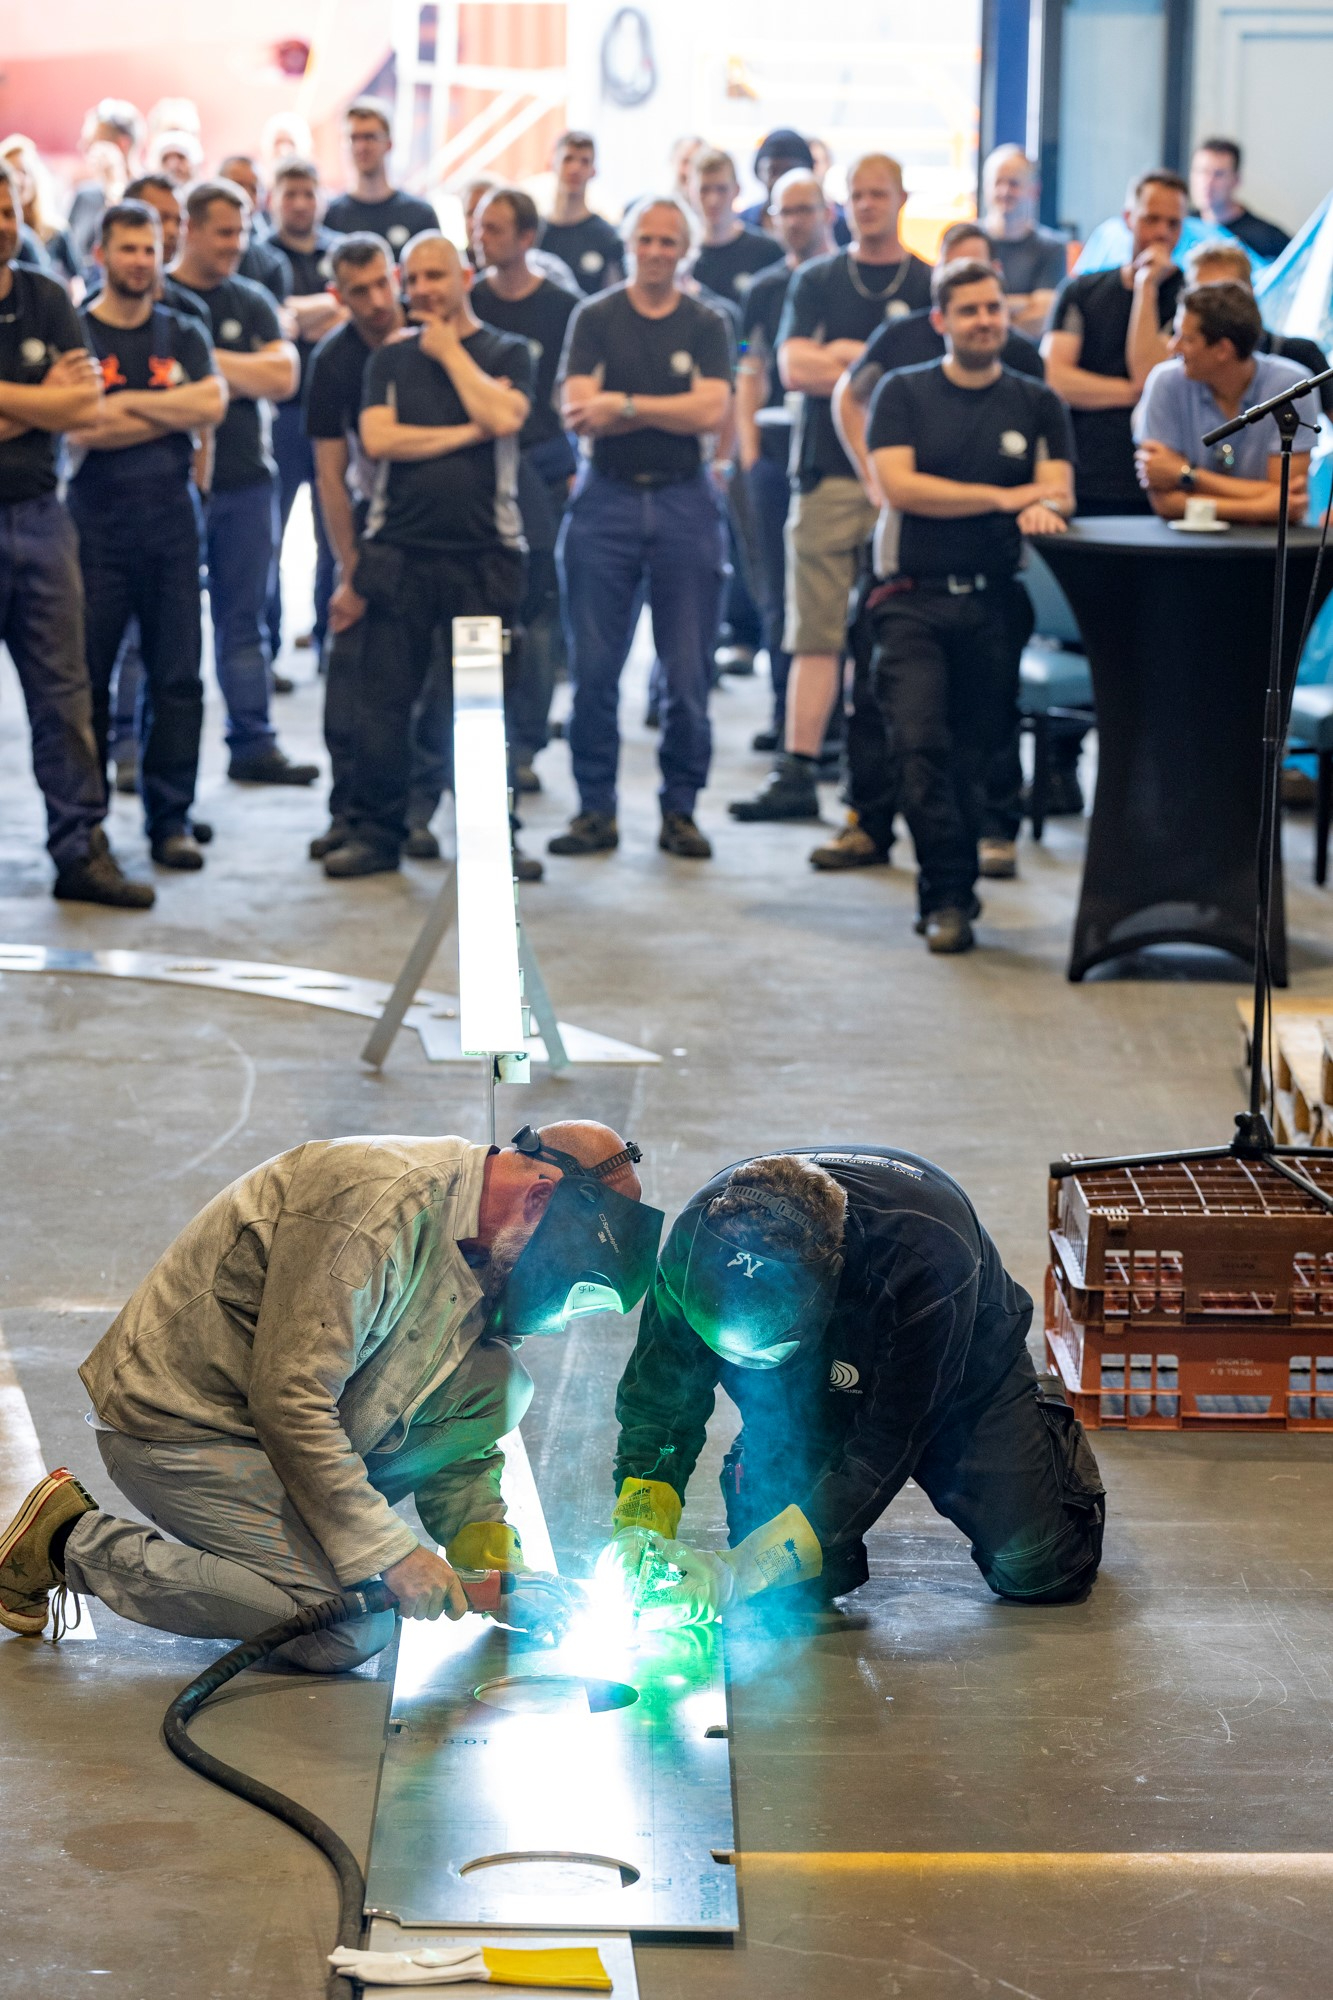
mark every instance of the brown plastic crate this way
{"type": "Point", "coordinates": [1222, 1377]}
{"type": "Point", "coordinates": [1231, 1227]}
{"type": "Point", "coordinates": [1147, 1288]}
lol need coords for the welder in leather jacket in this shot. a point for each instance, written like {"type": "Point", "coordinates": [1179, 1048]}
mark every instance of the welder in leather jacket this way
{"type": "Point", "coordinates": [857, 1313]}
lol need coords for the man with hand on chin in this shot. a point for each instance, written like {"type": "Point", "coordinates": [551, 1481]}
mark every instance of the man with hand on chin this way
{"type": "Point", "coordinates": [443, 405]}
{"type": "Point", "coordinates": [970, 457]}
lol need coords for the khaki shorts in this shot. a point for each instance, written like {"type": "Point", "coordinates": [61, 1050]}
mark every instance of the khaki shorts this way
{"type": "Point", "coordinates": [826, 531]}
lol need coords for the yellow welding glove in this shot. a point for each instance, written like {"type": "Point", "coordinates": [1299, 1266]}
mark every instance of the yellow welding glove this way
{"type": "Point", "coordinates": [564, 1968]}
{"type": "Point", "coordinates": [647, 1503]}
{"type": "Point", "coordinates": [486, 1545]}
{"type": "Point", "coordinates": [782, 1551]}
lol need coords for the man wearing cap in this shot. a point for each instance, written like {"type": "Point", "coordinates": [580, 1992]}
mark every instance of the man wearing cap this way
{"type": "Point", "coordinates": [782, 152]}
{"type": "Point", "coordinates": [857, 1313]}
{"type": "Point", "coordinates": [332, 1333]}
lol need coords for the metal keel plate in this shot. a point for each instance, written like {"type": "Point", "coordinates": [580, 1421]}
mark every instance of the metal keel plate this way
{"type": "Point", "coordinates": [586, 1789]}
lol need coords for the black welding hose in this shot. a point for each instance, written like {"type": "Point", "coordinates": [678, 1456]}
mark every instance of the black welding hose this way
{"type": "Point", "coordinates": [175, 1728]}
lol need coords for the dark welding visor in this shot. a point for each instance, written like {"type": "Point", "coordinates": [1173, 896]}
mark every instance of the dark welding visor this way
{"type": "Point", "coordinates": [752, 1307]}
{"type": "Point", "coordinates": [593, 1250]}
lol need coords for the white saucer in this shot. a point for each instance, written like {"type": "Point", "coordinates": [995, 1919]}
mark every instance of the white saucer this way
{"type": "Point", "coordinates": [1200, 527]}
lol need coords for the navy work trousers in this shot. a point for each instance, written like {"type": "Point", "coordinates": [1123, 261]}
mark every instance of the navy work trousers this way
{"type": "Point", "coordinates": [295, 458]}
{"type": "Point", "coordinates": [41, 622]}
{"type": "Point", "coordinates": [141, 564]}
{"type": "Point", "coordinates": [241, 531]}
{"type": "Point", "coordinates": [616, 540]}
{"type": "Point", "coordinates": [770, 497]}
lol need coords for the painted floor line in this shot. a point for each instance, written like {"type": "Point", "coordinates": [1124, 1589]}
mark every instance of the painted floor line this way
{"type": "Point", "coordinates": [1072, 1861]}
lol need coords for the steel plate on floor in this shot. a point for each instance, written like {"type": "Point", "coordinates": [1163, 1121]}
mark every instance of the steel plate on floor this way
{"type": "Point", "coordinates": [581, 1788]}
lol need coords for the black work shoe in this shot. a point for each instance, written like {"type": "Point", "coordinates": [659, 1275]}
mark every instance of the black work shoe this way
{"type": "Point", "coordinates": [526, 779]}
{"type": "Point", "coordinates": [271, 767]}
{"type": "Point", "coordinates": [681, 836]}
{"type": "Point", "coordinates": [948, 931]}
{"type": "Point", "coordinates": [766, 740]}
{"type": "Point", "coordinates": [99, 878]}
{"type": "Point", "coordinates": [850, 847]}
{"type": "Point", "coordinates": [1064, 796]}
{"type": "Point", "coordinates": [527, 868]}
{"type": "Point", "coordinates": [127, 772]}
{"type": "Point", "coordinates": [789, 793]}
{"type": "Point", "coordinates": [421, 844]}
{"type": "Point", "coordinates": [359, 857]}
{"type": "Point", "coordinates": [177, 850]}
{"type": "Point", "coordinates": [281, 683]}
{"type": "Point", "coordinates": [972, 912]}
{"type": "Point", "coordinates": [202, 830]}
{"type": "Point", "coordinates": [587, 833]}
{"type": "Point", "coordinates": [337, 834]}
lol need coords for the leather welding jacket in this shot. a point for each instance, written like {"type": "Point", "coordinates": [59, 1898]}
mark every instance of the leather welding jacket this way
{"type": "Point", "coordinates": [311, 1307]}
{"type": "Point", "coordinates": [925, 1312]}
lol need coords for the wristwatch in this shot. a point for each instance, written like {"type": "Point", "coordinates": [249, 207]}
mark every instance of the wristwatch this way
{"type": "Point", "coordinates": [629, 408]}
{"type": "Point", "coordinates": [1188, 479]}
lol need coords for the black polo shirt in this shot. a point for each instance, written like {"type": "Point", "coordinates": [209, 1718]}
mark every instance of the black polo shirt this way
{"type": "Point", "coordinates": [37, 325]}
{"type": "Point", "coordinates": [592, 249]}
{"type": "Point", "coordinates": [167, 350]}
{"type": "Point", "coordinates": [244, 319]}
{"type": "Point", "coordinates": [988, 437]}
{"type": "Point", "coordinates": [906, 343]}
{"type": "Point", "coordinates": [730, 269]}
{"type": "Point", "coordinates": [637, 356]}
{"type": "Point", "coordinates": [840, 298]}
{"type": "Point", "coordinates": [542, 320]}
{"type": "Point", "coordinates": [1096, 306]}
{"type": "Point", "coordinates": [466, 500]}
{"type": "Point", "coordinates": [397, 219]}
{"type": "Point", "coordinates": [331, 401]}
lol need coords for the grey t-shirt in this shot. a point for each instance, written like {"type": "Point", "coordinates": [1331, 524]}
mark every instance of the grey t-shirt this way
{"type": "Point", "coordinates": [1031, 263]}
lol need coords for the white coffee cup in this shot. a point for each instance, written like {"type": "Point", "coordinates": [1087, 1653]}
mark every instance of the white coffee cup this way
{"type": "Point", "coordinates": [1200, 512]}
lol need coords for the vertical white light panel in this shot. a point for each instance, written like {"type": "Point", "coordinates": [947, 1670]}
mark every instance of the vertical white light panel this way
{"type": "Point", "coordinates": [490, 994]}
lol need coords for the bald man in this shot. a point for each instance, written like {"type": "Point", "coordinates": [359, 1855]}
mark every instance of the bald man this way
{"type": "Point", "coordinates": [328, 1336]}
{"type": "Point", "coordinates": [442, 408]}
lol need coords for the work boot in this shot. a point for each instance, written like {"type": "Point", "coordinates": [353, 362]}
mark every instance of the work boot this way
{"type": "Point", "coordinates": [681, 836]}
{"type": "Point", "coordinates": [99, 878]}
{"type": "Point", "coordinates": [766, 741]}
{"type": "Point", "coordinates": [281, 683]}
{"type": "Point", "coordinates": [851, 847]}
{"type": "Point", "coordinates": [421, 844]}
{"type": "Point", "coordinates": [526, 779]}
{"type": "Point", "coordinates": [271, 767]}
{"type": "Point", "coordinates": [788, 794]}
{"type": "Point", "coordinates": [527, 868]}
{"type": "Point", "coordinates": [359, 857]}
{"type": "Point", "coordinates": [29, 1569]}
{"type": "Point", "coordinates": [587, 833]}
{"type": "Point", "coordinates": [127, 769]}
{"type": "Point", "coordinates": [178, 850]}
{"type": "Point", "coordinates": [997, 859]}
{"type": "Point", "coordinates": [948, 931]}
{"type": "Point", "coordinates": [972, 912]}
{"type": "Point", "coordinates": [1064, 796]}
{"type": "Point", "coordinates": [337, 834]}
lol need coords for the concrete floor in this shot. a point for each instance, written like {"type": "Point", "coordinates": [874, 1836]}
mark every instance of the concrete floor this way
{"type": "Point", "coordinates": [950, 1797]}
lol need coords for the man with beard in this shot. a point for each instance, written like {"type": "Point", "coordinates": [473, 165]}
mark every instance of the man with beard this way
{"type": "Point", "coordinates": [333, 1332]}
{"type": "Point", "coordinates": [970, 457]}
{"type": "Point", "coordinates": [133, 502]}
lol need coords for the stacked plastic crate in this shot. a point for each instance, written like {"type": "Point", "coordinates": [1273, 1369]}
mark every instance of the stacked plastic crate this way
{"type": "Point", "coordinates": [1195, 1295]}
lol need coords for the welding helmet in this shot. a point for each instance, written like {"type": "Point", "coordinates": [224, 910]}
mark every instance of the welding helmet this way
{"type": "Point", "coordinates": [593, 1250]}
{"type": "Point", "coordinates": [751, 1304]}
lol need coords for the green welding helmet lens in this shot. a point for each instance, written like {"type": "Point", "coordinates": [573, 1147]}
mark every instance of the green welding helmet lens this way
{"type": "Point", "coordinates": [752, 1307]}
{"type": "Point", "coordinates": [593, 1251]}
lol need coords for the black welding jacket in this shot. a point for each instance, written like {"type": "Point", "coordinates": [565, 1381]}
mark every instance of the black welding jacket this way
{"type": "Point", "coordinates": [925, 1312]}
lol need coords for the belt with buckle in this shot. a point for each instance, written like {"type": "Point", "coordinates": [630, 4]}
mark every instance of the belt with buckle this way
{"type": "Point", "coordinates": [901, 586]}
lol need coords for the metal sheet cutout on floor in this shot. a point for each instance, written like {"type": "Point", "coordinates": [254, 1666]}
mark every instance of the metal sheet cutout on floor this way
{"type": "Point", "coordinates": [580, 1788]}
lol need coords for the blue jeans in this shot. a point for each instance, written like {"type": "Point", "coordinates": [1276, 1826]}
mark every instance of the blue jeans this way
{"type": "Point", "coordinates": [41, 621]}
{"type": "Point", "coordinates": [770, 496]}
{"type": "Point", "coordinates": [141, 564]}
{"type": "Point", "coordinates": [240, 533]}
{"type": "Point", "coordinates": [295, 458]}
{"type": "Point", "coordinates": [616, 538]}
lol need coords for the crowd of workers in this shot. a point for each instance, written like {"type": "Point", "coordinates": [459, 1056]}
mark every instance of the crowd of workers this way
{"type": "Point", "coordinates": [776, 427]}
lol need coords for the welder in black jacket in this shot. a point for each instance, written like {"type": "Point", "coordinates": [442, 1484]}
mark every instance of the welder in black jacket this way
{"type": "Point", "coordinates": [857, 1313]}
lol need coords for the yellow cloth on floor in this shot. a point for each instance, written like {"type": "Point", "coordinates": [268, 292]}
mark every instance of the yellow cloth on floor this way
{"type": "Point", "coordinates": [572, 1967]}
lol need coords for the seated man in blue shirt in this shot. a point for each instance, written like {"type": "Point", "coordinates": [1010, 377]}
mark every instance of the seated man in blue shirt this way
{"type": "Point", "coordinates": [1214, 373]}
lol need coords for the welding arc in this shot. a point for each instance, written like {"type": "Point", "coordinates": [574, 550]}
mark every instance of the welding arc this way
{"type": "Point", "coordinates": [175, 1729]}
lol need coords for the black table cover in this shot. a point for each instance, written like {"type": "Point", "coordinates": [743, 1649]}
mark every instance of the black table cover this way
{"type": "Point", "coordinates": [1176, 628]}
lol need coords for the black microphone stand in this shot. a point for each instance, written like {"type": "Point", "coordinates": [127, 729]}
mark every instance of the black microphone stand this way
{"type": "Point", "coordinates": [1253, 1139]}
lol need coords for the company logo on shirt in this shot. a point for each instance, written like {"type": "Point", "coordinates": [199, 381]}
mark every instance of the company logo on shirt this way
{"type": "Point", "coordinates": [843, 1376]}
{"type": "Point", "coordinates": [164, 372]}
{"type": "Point", "coordinates": [591, 260]}
{"type": "Point", "coordinates": [1013, 444]}
{"type": "Point", "coordinates": [743, 281]}
{"type": "Point", "coordinates": [897, 309]}
{"type": "Point", "coordinates": [397, 235]}
{"type": "Point", "coordinates": [681, 362]}
{"type": "Point", "coordinates": [33, 351]}
{"type": "Point", "coordinates": [230, 329]}
{"type": "Point", "coordinates": [535, 350]}
{"type": "Point", "coordinates": [112, 378]}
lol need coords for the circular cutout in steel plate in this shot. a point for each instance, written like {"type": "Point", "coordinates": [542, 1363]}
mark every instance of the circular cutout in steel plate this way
{"type": "Point", "coordinates": [556, 1694]}
{"type": "Point", "coordinates": [550, 1873]}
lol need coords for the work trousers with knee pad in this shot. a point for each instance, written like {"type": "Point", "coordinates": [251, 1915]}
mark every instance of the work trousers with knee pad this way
{"type": "Point", "coordinates": [241, 1558]}
{"type": "Point", "coordinates": [1010, 1468]}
